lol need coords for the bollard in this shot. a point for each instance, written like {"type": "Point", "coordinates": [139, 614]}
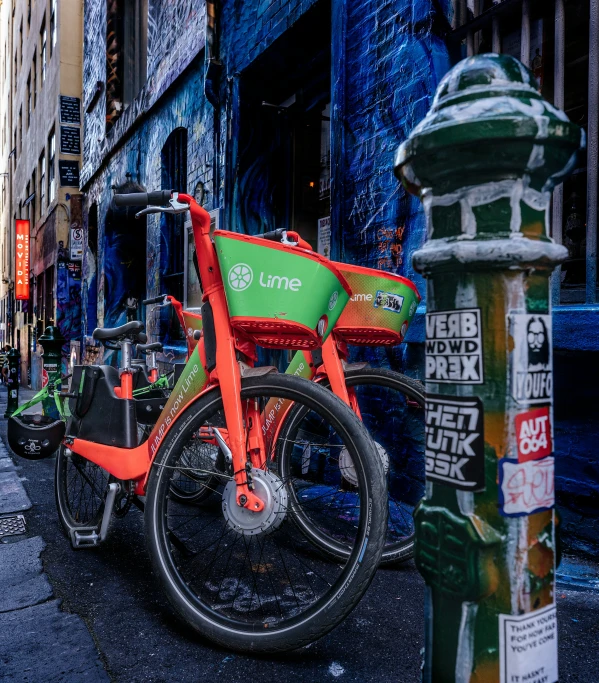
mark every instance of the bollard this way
{"type": "Point", "coordinates": [12, 381]}
{"type": "Point", "coordinates": [51, 341]}
{"type": "Point", "coordinates": [484, 162]}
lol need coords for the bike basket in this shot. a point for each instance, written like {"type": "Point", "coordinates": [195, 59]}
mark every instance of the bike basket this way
{"type": "Point", "coordinates": [380, 309]}
{"type": "Point", "coordinates": [35, 437]}
{"type": "Point", "coordinates": [277, 294]}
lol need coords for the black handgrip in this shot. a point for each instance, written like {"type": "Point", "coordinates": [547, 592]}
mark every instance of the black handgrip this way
{"type": "Point", "coordinates": [274, 235]}
{"type": "Point", "coordinates": [158, 198]}
{"type": "Point", "coordinates": [156, 300]}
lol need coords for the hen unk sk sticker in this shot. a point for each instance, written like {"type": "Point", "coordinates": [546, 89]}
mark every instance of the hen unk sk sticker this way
{"type": "Point", "coordinates": [455, 441]}
{"type": "Point", "coordinates": [532, 377]}
{"type": "Point", "coordinates": [454, 352]}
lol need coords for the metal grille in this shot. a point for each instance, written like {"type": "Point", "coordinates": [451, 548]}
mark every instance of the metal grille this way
{"type": "Point", "coordinates": [12, 526]}
{"type": "Point", "coordinates": [568, 50]}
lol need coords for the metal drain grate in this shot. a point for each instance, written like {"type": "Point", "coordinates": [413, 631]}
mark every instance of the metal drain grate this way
{"type": "Point", "coordinates": [11, 526]}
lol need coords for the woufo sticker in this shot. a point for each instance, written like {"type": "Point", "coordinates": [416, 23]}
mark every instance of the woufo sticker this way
{"type": "Point", "coordinates": [532, 376]}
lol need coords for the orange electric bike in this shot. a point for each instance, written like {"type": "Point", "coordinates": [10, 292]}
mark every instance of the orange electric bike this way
{"type": "Point", "coordinates": [239, 567]}
{"type": "Point", "coordinates": [390, 404]}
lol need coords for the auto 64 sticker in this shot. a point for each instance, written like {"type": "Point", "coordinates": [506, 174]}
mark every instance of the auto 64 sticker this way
{"type": "Point", "coordinates": [455, 441]}
{"type": "Point", "coordinates": [533, 434]}
{"type": "Point", "coordinates": [532, 376]}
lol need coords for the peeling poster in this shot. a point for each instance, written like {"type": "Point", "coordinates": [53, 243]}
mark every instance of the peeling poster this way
{"type": "Point", "coordinates": [528, 647]}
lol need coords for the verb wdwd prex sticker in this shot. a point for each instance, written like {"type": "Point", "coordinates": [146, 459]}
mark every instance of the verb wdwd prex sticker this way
{"type": "Point", "coordinates": [455, 441]}
{"type": "Point", "coordinates": [528, 647]}
{"type": "Point", "coordinates": [532, 377]}
{"type": "Point", "coordinates": [454, 352]}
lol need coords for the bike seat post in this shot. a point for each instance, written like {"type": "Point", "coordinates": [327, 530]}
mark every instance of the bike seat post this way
{"type": "Point", "coordinates": [125, 370]}
{"type": "Point", "coordinates": [153, 367]}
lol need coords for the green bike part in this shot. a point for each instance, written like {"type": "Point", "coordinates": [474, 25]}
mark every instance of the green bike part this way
{"type": "Point", "coordinates": [265, 282]}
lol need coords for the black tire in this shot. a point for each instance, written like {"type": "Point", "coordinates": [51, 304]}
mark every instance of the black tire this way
{"type": "Point", "coordinates": [234, 620]}
{"type": "Point", "coordinates": [392, 408]}
{"type": "Point", "coordinates": [80, 488]}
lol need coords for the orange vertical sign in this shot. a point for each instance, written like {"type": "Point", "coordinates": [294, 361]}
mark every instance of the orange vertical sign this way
{"type": "Point", "coordinates": [22, 269]}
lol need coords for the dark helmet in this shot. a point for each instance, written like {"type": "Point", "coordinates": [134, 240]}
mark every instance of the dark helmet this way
{"type": "Point", "coordinates": [35, 437]}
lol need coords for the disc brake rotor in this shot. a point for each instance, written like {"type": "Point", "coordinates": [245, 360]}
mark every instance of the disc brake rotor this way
{"type": "Point", "coordinates": [348, 470]}
{"type": "Point", "coordinates": [271, 491]}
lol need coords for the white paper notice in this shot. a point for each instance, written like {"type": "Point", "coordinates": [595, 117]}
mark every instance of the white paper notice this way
{"type": "Point", "coordinates": [528, 647]}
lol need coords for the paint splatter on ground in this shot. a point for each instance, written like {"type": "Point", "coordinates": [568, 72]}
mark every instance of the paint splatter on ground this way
{"type": "Point", "coordinates": [336, 669]}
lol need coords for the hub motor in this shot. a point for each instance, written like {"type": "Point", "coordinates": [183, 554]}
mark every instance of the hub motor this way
{"type": "Point", "coordinates": [347, 466]}
{"type": "Point", "coordinates": [271, 490]}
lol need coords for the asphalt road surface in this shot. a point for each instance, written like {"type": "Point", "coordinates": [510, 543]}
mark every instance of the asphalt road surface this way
{"type": "Point", "coordinates": [139, 639]}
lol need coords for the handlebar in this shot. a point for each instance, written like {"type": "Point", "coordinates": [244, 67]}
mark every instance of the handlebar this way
{"type": "Point", "coordinates": [156, 300]}
{"type": "Point", "coordinates": [273, 235]}
{"type": "Point", "coordinates": [158, 198]}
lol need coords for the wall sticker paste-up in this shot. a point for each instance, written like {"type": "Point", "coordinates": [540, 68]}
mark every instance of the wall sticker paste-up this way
{"type": "Point", "coordinates": [454, 347]}
{"type": "Point", "coordinates": [533, 434]}
{"type": "Point", "coordinates": [455, 441]}
{"type": "Point", "coordinates": [526, 487]}
{"type": "Point", "coordinates": [532, 377]}
{"type": "Point", "coordinates": [528, 647]}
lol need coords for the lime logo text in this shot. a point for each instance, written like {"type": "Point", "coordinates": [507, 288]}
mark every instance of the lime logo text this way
{"type": "Point", "coordinates": [280, 282]}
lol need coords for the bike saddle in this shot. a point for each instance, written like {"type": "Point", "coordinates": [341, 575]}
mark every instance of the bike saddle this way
{"type": "Point", "coordinates": [131, 329]}
{"type": "Point", "coordinates": [148, 348]}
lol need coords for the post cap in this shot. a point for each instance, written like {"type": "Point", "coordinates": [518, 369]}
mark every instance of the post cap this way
{"type": "Point", "coordinates": [488, 122]}
{"type": "Point", "coordinates": [52, 334]}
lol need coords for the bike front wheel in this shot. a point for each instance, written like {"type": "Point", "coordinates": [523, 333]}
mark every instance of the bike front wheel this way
{"type": "Point", "coordinates": [253, 581]}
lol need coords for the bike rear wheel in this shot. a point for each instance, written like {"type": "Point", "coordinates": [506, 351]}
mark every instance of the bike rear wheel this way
{"type": "Point", "coordinates": [255, 583]}
{"type": "Point", "coordinates": [80, 488]}
{"type": "Point", "coordinates": [392, 410]}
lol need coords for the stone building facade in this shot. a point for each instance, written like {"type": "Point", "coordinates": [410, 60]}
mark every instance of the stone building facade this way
{"type": "Point", "coordinates": [41, 153]}
{"type": "Point", "coordinates": [288, 113]}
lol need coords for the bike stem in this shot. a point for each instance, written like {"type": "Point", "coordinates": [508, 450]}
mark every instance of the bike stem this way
{"type": "Point", "coordinates": [227, 370]}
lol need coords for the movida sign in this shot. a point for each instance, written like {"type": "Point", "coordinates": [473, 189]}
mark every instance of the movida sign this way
{"type": "Point", "coordinates": [22, 260]}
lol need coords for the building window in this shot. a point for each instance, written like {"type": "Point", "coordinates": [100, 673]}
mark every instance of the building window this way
{"type": "Point", "coordinates": [51, 166]}
{"type": "Point", "coordinates": [52, 27]}
{"type": "Point", "coordinates": [172, 228]}
{"type": "Point", "coordinates": [126, 54]}
{"type": "Point", "coordinates": [34, 74]}
{"type": "Point", "coordinates": [21, 42]}
{"type": "Point", "coordinates": [29, 100]}
{"type": "Point", "coordinates": [33, 204]}
{"type": "Point", "coordinates": [42, 176]}
{"type": "Point", "coordinates": [43, 50]}
{"type": "Point", "coordinates": [20, 129]}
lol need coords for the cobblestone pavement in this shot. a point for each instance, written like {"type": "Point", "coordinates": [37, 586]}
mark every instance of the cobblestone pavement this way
{"type": "Point", "coordinates": [105, 601]}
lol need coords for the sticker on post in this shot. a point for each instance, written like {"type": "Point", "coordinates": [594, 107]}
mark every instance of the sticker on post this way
{"type": "Point", "coordinates": [455, 441]}
{"type": "Point", "coordinates": [528, 647]}
{"type": "Point", "coordinates": [526, 487]}
{"type": "Point", "coordinates": [454, 353]}
{"type": "Point", "coordinates": [388, 301]}
{"type": "Point", "coordinates": [532, 376]}
{"type": "Point", "coordinates": [533, 434]}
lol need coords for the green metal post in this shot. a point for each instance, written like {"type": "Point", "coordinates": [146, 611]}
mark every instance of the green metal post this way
{"type": "Point", "coordinates": [52, 342]}
{"type": "Point", "coordinates": [12, 382]}
{"type": "Point", "coordinates": [484, 162]}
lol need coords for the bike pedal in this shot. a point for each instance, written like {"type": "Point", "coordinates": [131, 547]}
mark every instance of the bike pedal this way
{"type": "Point", "coordinates": [85, 537]}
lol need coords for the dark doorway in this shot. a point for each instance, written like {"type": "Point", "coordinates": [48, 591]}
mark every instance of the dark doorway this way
{"type": "Point", "coordinates": [90, 273]}
{"type": "Point", "coordinates": [125, 249]}
{"type": "Point", "coordinates": [172, 231]}
{"type": "Point", "coordinates": [283, 175]}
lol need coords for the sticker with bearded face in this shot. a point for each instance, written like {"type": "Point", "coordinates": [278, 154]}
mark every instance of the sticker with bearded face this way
{"type": "Point", "coordinates": [532, 377]}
